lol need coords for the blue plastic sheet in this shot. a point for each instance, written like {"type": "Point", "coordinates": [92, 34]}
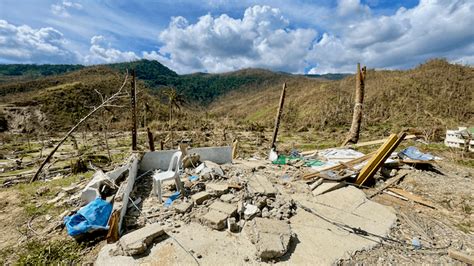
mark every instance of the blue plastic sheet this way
{"type": "Point", "coordinates": [415, 154]}
{"type": "Point", "coordinates": [93, 216]}
{"type": "Point", "coordinates": [172, 198]}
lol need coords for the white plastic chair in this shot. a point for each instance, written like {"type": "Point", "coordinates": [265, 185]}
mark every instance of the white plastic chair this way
{"type": "Point", "coordinates": [172, 173]}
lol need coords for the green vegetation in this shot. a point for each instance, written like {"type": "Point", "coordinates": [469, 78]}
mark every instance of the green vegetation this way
{"type": "Point", "coordinates": [58, 252]}
{"type": "Point", "coordinates": [29, 70]}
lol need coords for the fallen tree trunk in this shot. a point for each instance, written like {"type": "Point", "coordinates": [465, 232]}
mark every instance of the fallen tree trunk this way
{"type": "Point", "coordinates": [105, 102]}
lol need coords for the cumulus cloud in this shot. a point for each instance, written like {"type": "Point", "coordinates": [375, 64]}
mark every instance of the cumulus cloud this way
{"type": "Point", "coordinates": [25, 44]}
{"type": "Point", "coordinates": [61, 8]}
{"type": "Point", "coordinates": [102, 52]}
{"type": "Point", "coordinates": [261, 38]}
{"type": "Point", "coordinates": [409, 37]}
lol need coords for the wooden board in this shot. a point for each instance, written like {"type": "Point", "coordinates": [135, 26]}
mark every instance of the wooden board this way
{"type": "Point", "coordinates": [412, 197]}
{"type": "Point", "coordinates": [379, 158]}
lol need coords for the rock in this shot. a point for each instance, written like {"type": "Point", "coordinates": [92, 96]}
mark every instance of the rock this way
{"type": "Point", "coordinates": [270, 237]}
{"type": "Point", "coordinates": [183, 207]}
{"type": "Point", "coordinates": [225, 208]}
{"type": "Point", "coordinates": [265, 213]}
{"type": "Point", "coordinates": [217, 189]}
{"type": "Point", "coordinates": [227, 197]}
{"type": "Point", "coordinates": [137, 242]}
{"type": "Point", "coordinates": [200, 197]}
{"type": "Point", "coordinates": [232, 225]}
{"type": "Point", "coordinates": [214, 219]}
{"type": "Point", "coordinates": [260, 185]}
{"type": "Point", "coordinates": [250, 211]}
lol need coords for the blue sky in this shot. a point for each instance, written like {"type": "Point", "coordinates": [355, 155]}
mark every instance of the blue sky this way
{"type": "Point", "coordinates": [299, 36]}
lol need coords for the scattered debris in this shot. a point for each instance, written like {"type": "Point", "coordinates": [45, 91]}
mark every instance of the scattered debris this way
{"type": "Point", "coordinates": [271, 237]}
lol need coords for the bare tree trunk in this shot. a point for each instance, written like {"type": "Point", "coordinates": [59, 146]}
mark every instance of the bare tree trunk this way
{"type": "Point", "coordinates": [105, 102]}
{"type": "Point", "coordinates": [278, 116]}
{"type": "Point", "coordinates": [133, 96]}
{"type": "Point", "coordinates": [359, 100]}
{"type": "Point", "coordinates": [151, 142]}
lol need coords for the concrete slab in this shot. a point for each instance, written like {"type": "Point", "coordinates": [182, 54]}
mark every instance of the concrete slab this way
{"type": "Point", "coordinates": [183, 207]}
{"type": "Point", "coordinates": [137, 242]}
{"type": "Point", "coordinates": [215, 219]}
{"type": "Point", "coordinates": [226, 208]}
{"type": "Point", "coordinates": [217, 189]}
{"type": "Point", "coordinates": [259, 184]}
{"type": "Point", "coordinates": [161, 159]}
{"type": "Point", "coordinates": [324, 187]}
{"type": "Point", "coordinates": [323, 243]}
{"type": "Point", "coordinates": [271, 237]}
{"type": "Point", "coordinates": [200, 197]}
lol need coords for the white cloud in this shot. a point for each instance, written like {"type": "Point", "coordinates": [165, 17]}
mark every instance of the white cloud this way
{"type": "Point", "coordinates": [261, 38]}
{"type": "Point", "coordinates": [25, 44]}
{"type": "Point", "coordinates": [409, 37]}
{"type": "Point", "coordinates": [61, 8]}
{"type": "Point", "coordinates": [102, 52]}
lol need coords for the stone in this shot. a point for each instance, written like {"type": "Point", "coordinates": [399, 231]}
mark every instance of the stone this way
{"type": "Point", "coordinates": [226, 208]}
{"type": "Point", "coordinates": [260, 185]}
{"type": "Point", "coordinates": [137, 242]}
{"type": "Point", "coordinates": [214, 219]}
{"type": "Point", "coordinates": [271, 237]}
{"type": "Point", "coordinates": [200, 197]}
{"type": "Point", "coordinates": [183, 207]}
{"type": "Point", "coordinates": [227, 197]}
{"type": "Point", "coordinates": [217, 189]}
{"type": "Point", "coordinates": [250, 211]}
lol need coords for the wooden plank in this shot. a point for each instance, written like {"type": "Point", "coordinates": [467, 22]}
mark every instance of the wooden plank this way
{"type": "Point", "coordinates": [461, 256]}
{"type": "Point", "coordinates": [113, 234]}
{"type": "Point", "coordinates": [412, 197]}
{"type": "Point", "coordinates": [351, 163]}
{"type": "Point", "coordinates": [389, 183]}
{"type": "Point", "coordinates": [379, 158]}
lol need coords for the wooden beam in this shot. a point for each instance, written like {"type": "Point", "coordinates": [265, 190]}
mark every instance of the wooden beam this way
{"type": "Point", "coordinates": [469, 260]}
{"type": "Point", "coordinates": [278, 116]}
{"type": "Point", "coordinates": [412, 197]}
{"type": "Point", "coordinates": [389, 183]}
{"type": "Point", "coordinates": [379, 158]}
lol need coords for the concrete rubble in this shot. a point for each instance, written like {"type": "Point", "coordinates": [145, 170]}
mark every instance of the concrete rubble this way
{"type": "Point", "coordinates": [138, 241]}
{"type": "Point", "coordinates": [271, 237]}
{"type": "Point", "coordinates": [250, 201]}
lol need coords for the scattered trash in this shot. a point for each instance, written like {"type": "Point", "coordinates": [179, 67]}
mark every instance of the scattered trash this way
{"type": "Point", "coordinates": [414, 154]}
{"type": "Point", "coordinates": [416, 243]}
{"type": "Point", "coordinates": [172, 198]}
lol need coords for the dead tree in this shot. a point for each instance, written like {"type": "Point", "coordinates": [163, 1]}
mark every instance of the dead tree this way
{"type": "Point", "coordinates": [106, 102]}
{"type": "Point", "coordinates": [357, 115]}
{"type": "Point", "coordinates": [133, 97]}
{"type": "Point", "coordinates": [278, 116]}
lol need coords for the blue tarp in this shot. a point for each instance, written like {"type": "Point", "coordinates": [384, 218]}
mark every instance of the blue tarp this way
{"type": "Point", "coordinates": [415, 154]}
{"type": "Point", "coordinates": [93, 216]}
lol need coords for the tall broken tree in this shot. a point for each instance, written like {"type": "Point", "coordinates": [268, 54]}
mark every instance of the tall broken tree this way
{"type": "Point", "coordinates": [133, 103]}
{"type": "Point", "coordinates": [278, 116]}
{"type": "Point", "coordinates": [357, 115]}
{"type": "Point", "coordinates": [106, 102]}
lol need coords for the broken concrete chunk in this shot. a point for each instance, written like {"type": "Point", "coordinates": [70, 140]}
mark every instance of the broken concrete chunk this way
{"type": "Point", "coordinates": [271, 237]}
{"type": "Point", "coordinates": [217, 189]}
{"type": "Point", "coordinates": [225, 208]}
{"type": "Point", "coordinates": [200, 197]}
{"type": "Point", "coordinates": [250, 211]}
{"type": "Point", "coordinates": [215, 219]}
{"type": "Point", "coordinates": [183, 207]}
{"type": "Point", "coordinates": [227, 197]}
{"type": "Point", "coordinates": [137, 242]}
{"type": "Point", "coordinates": [260, 185]}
